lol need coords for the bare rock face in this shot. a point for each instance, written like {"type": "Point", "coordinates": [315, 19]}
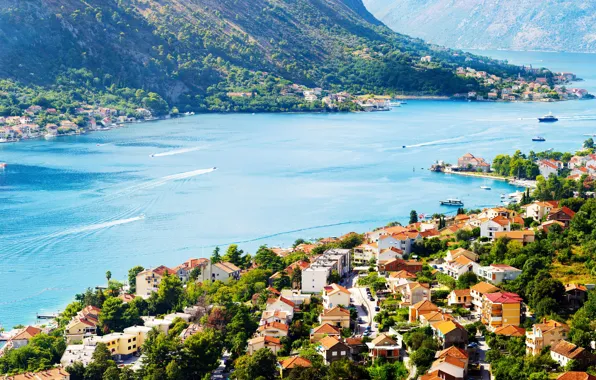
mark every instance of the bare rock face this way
{"type": "Point", "coordinates": [551, 25]}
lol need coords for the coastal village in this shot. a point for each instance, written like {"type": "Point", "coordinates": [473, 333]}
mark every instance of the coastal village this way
{"type": "Point", "coordinates": [369, 299]}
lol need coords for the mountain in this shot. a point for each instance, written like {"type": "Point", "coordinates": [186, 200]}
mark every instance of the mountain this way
{"type": "Point", "coordinates": [552, 25]}
{"type": "Point", "coordinates": [191, 53]}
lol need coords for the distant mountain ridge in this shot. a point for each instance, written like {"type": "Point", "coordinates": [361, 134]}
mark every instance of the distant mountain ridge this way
{"type": "Point", "coordinates": [551, 25]}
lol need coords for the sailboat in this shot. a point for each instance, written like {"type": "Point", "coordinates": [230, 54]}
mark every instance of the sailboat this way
{"type": "Point", "coordinates": [485, 186]}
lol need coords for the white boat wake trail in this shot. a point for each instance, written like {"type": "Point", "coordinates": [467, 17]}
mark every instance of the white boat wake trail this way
{"type": "Point", "coordinates": [99, 226]}
{"type": "Point", "coordinates": [175, 152]}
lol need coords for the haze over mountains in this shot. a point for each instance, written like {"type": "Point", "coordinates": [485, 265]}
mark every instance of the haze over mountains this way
{"type": "Point", "coordinates": [551, 25]}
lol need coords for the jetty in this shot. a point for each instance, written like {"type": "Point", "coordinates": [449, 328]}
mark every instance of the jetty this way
{"type": "Point", "coordinates": [48, 316]}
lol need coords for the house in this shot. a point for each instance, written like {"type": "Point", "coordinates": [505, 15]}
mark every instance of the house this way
{"type": "Point", "coordinates": [335, 295]}
{"type": "Point", "coordinates": [563, 352]}
{"type": "Point", "coordinates": [83, 324]}
{"type": "Point", "coordinates": [332, 349]}
{"type": "Point", "coordinates": [538, 210]}
{"type": "Point", "coordinates": [148, 280]}
{"type": "Point", "coordinates": [324, 330]}
{"type": "Point", "coordinates": [273, 329]}
{"type": "Point", "coordinates": [497, 273]}
{"type": "Point", "coordinates": [501, 308]}
{"type": "Point", "coordinates": [430, 317]}
{"type": "Point", "coordinates": [426, 58]}
{"type": "Point", "coordinates": [191, 330]}
{"type": "Point", "coordinates": [548, 333]}
{"type": "Point", "coordinates": [77, 353]}
{"type": "Point", "coordinates": [510, 331]}
{"type": "Point", "coordinates": [561, 214]}
{"type": "Point", "coordinates": [396, 265]}
{"type": "Point", "coordinates": [397, 279]}
{"type": "Point", "coordinates": [140, 332]}
{"type": "Point", "coordinates": [384, 347]}
{"type": "Point", "coordinates": [489, 227]}
{"type": "Point", "coordinates": [272, 343]}
{"type": "Point", "coordinates": [450, 333]}
{"type": "Point", "coordinates": [460, 297]}
{"type": "Point", "coordinates": [422, 307]}
{"type": "Point", "coordinates": [365, 252]}
{"type": "Point", "coordinates": [120, 345]}
{"type": "Point", "coordinates": [57, 373]}
{"type": "Point", "coordinates": [414, 292]}
{"type": "Point", "coordinates": [478, 291]}
{"type": "Point", "coordinates": [577, 161]}
{"type": "Point", "coordinates": [281, 304]}
{"type": "Point", "coordinates": [296, 296]}
{"type": "Point", "coordinates": [451, 363]}
{"type": "Point", "coordinates": [222, 271]}
{"type": "Point", "coordinates": [160, 324]}
{"type": "Point", "coordinates": [269, 316]}
{"type": "Point", "coordinates": [453, 254]}
{"type": "Point", "coordinates": [23, 337]}
{"type": "Point", "coordinates": [183, 270]}
{"type": "Point", "coordinates": [460, 266]}
{"type": "Point", "coordinates": [575, 295]}
{"type": "Point", "coordinates": [314, 278]}
{"type": "Point", "coordinates": [290, 363]}
{"type": "Point", "coordinates": [575, 375]}
{"type": "Point", "coordinates": [548, 167]}
{"type": "Point", "coordinates": [523, 236]}
{"type": "Point", "coordinates": [336, 316]}
{"type": "Point", "coordinates": [390, 254]}
{"type": "Point", "coordinates": [469, 162]}
{"type": "Point", "coordinates": [546, 226]}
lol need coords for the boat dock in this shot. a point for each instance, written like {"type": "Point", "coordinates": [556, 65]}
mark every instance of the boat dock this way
{"type": "Point", "coordinates": [48, 316]}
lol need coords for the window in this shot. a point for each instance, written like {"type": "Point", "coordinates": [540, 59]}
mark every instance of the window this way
{"type": "Point", "coordinates": [343, 353]}
{"type": "Point", "coordinates": [334, 353]}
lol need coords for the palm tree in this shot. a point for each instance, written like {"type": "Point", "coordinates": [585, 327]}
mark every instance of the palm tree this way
{"type": "Point", "coordinates": [108, 275]}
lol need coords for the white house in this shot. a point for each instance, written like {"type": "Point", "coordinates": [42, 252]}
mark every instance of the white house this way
{"type": "Point", "coordinates": [496, 224]}
{"type": "Point", "coordinates": [335, 295]}
{"type": "Point", "coordinates": [389, 254]}
{"type": "Point", "coordinates": [314, 279]}
{"type": "Point", "coordinates": [281, 304]}
{"type": "Point", "coordinates": [548, 167]}
{"type": "Point", "coordinates": [497, 273]}
{"type": "Point", "coordinates": [148, 281]}
{"type": "Point", "coordinates": [460, 266]}
{"type": "Point", "coordinates": [223, 271]}
{"type": "Point", "coordinates": [538, 210]}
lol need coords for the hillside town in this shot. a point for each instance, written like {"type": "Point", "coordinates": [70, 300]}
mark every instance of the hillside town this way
{"type": "Point", "coordinates": [433, 298]}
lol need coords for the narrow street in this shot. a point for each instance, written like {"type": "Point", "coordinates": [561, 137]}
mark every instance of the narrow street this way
{"type": "Point", "coordinates": [367, 313]}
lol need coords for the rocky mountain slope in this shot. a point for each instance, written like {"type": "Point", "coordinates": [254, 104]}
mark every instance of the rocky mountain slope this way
{"type": "Point", "coordinates": [187, 50]}
{"type": "Point", "coordinates": [553, 25]}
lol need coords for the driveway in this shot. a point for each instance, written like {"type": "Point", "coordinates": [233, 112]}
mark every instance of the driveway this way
{"type": "Point", "coordinates": [368, 313]}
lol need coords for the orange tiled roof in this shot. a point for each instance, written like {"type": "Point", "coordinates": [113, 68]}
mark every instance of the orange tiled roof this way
{"type": "Point", "coordinates": [567, 349]}
{"type": "Point", "coordinates": [510, 330]}
{"type": "Point", "coordinates": [27, 333]}
{"type": "Point", "coordinates": [326, 328]}
{"type": "Point", "coordinates": [296, 361]}
{"type": "Point", "coordinates": [484, 288]}
{"type": "Point", "coordinates": [329, 342]}
{"type": "Point", "coordinates": [575, 375]}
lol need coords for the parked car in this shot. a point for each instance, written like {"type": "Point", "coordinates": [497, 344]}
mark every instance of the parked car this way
{"type": "Point", "coordinates": [377, 308]}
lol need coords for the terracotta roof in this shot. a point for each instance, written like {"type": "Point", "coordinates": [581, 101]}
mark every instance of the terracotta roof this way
{"type": "Point", "coordinates": [565, 210]}
{"type": "Point", "coordinates": [549, 163]}
{"type": "Point", "coordinates": [329, 342]}
{"type": "Point", "coordinates": [282, 299]}
{"type": "Point", "coordinates": [383, 340]}
{"type": "Point", "coordinates": [27, 333]}
{"type": "Point", "coordinates": [274, 325]}
{"type": "Point", "coordinates": [401, 274]}
{"type": "Point", "coordinates": [354, 341]}
{"type": "Point", "coordinates": [567, 349]}
{"type": "Point", "coordinates": [335, 312]}
{"type": "Point", "coordinates": [570, 287]}
{"type": "Point", "coordinates": [430, 233]}
{"type": "Point", "coordinates": [273, 290]}
{"type": "Point", "coordinates": [434, 375]}
{"type": "Point", "coordinates": [461, 292]}
{"type": "Point", "coordinates": [505, 267]}
{"type": "Point", "coordinates": [515, 234]}
{"type": "Point", "coordinates": [510, 330]}
{"type": "Point", "coordinates": [461, 217]}
{"type": "Point", "coordinates": [265, 339]}
{"type": "Point", "coordinates": [574, 375]}
{"type": "Point", "coordinates": [425, 305]}
{"type": "Point", "coordinates": [503, 298]}
{"type": "Point", "coordinates": [435, 316]}
{"type": "Point", "coordinates": [551, 325]}
{"type": "Point", "coordinates": [50, 374]}
{"type": "Point", "coordinates": [295, 361]}
{"type": "Point", "coordinates": [454, 352]}
{"type": "Point", "coordinates": [484, 288]}
{"type": "Point", "coordinates": [326, 328]}
{"type": "Point", "coordinates": [501, 220]}
{"type": "Point", "coordinates": [160, 270]}
{"type": "Point", "coordinates": [461, 261]}
{"type": "Point", "coordinates": [335, 288]}
{"type": "Point", "coordinates": [394, 229]}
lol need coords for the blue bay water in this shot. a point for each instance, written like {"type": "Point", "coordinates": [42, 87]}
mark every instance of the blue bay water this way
{"type": "Point", "coordinates": [73, 208]}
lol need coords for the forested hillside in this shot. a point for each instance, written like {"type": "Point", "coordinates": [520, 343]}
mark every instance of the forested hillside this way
{"type": "Point", "coordinates": [192, 52]}
{"type": "Point", "coordinates": [551, 25]}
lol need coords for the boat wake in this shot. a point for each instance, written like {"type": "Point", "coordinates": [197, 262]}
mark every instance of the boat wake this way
{"type": "Point", "coordinates": [99, 226]}
{"type": "Point", "coordinates": [175, 152]}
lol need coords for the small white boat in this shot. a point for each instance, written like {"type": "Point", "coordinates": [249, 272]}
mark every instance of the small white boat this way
{"type": "Point", "coordinates": [452, 202]}
{"type": "Point", "coordinates": [485, 187]}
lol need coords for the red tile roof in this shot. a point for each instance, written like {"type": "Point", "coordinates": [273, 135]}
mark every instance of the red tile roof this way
{"type": "Point", "coordinates": [503, 297]}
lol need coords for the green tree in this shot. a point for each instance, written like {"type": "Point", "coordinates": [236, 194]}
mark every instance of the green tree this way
{"type": "Point", "coordinates": [108, 275]}
{"type": "Point", "coordinates": [466, 280]}
{"type": "Point", "coordinates": [334, 277]}
{"type": "Point", "coordinates": [413, 217]}
{"type": "Point", "coordinates": [261, 365]}
{"type": "Point", "coordinates": [101, 360]}
{"type": "Point", "coordinates": [234, 255]}
{"type": "Point", "coordinates": [216, 257]}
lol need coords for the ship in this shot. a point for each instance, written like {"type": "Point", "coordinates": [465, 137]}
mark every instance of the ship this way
{"type": "Point", "coordinates": [547, 118]}
{"type": "Point", "coordinates": [538, 138]}
{"type": "Point", "coordinates": [452, 202]}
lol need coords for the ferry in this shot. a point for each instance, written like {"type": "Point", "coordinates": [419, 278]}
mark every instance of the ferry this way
{"type": "Point", "coordinates": [547, 118]}
{"type": "Point", "coordinates": [538, 138]}
{"type": "Point", "coordinates": [452, 202]}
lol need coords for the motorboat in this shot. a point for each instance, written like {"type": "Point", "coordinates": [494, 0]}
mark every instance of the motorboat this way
{"type": "Point", "coordinates": [550, 118]}
{"type": "Point", "coordinates": [485, 187]}
{"type": "Point", "coordinates": [538, 138]}
{"type": "Point", "coordinates": [452, 202]}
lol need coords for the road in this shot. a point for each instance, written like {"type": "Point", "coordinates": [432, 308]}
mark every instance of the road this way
{"type": "Point", "coordinates": [360, 298]}
{"type": "Point", "coordinates": [482, 348]}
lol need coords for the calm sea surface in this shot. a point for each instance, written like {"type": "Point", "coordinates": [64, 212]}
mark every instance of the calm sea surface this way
{"type": "Point", "coordinates": [73, 208]}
